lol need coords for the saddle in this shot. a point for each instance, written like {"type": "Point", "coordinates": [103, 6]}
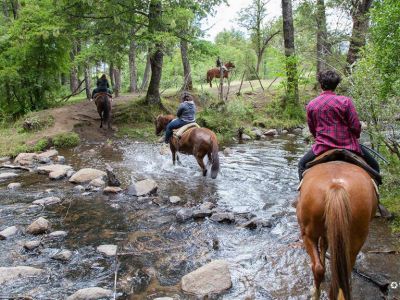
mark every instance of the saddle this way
{"type": "Point", "coordinates": [346, 156]}
{"type": "Point", "coordinates": [180, 131]}
{"type": "Point", "coordinates": [102, 94]}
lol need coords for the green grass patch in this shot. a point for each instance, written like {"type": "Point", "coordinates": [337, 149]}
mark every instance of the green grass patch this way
{"type": "Point", "coordinates": [66, 140]}
{"type": "Point", "coordinates": [390, 191]}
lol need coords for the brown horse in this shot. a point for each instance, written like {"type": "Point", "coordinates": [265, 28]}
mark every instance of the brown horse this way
{"type": "Point", "coordinates": [336, 203]}
{"type": "Point", "coordinates": [104, 107]}
{"type": "Point", "coordinates": [198, 142]}
{"type": "Point", "coordinates": [215, 72]}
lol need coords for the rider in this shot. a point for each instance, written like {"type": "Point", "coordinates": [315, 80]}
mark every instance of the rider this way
{"type": "Point", "coordinates": [102, 86]}
{"type": "Point", "coordinates": [218, 62]}
{"type": "Point", "coordinates": [186, 114]}
{"type": "Point", "coordinates": [334, 123]}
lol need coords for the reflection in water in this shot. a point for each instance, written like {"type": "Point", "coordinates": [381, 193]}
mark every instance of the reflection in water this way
{"type": "Point", "coordinates": [155, 250]}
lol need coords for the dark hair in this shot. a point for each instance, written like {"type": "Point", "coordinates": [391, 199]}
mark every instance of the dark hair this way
{"type": "Point", "coordinates": [186, 96]}
{"type": "Point", "coordinates": [103, 76]}
{"type": "Point", "coordinates": [329, 80]}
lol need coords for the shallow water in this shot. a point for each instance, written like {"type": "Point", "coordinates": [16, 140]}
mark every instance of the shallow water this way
{"type": "Point", "coordinates": [156, 251]}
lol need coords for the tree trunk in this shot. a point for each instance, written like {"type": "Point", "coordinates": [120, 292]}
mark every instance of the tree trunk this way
{"type": "Point", "coordinates": [291, 65]}
{"type": "Point", "coordinates": [117, 78]}
{"type": "Point", "coordinates": [88, 82]}
{"type": "Point", "coordinates": [15, 5]}
{"type": "Point", "coordinates": [146, 73]}
{"type": "Point", "coordinates": [259, 59]}
{"type": "Point", "coordinates": [132, 67]}
{"type": "Point", "coordinates": [74, 74]}
{"type": "Point", "coordinates": [360, 28]}
{"type": "Point", "coordinates": [323, 49]}
{"type": "Point", "coordinates": [111, 75]}
{"type": "Point", "coordinates": [156, 59]}
{"type": "Point", "coordinates": [187, 72]}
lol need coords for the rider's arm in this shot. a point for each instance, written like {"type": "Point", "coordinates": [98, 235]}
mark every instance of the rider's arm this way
{"type": "Point", "coordinates": [181, 108]}
{"type": "Point", "coordinates": [310, 122]}
{"type": "Point", "coordinates": [352, 118]}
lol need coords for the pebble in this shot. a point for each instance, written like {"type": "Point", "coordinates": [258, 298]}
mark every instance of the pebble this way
{"type": "Point", "coordinates": [201, 213]}
{"type": "Point", "coordinates": [63, 255]}
{"type": "Point", "coordinates": [91, 293]}
{"type": "Point", "coordinates": [30, 245]}
{"type": "Point", "coordinates": [40, 225]}
{"type": "Point", "coordinates": [112, 190]}
{"type": "Point", "coordinates": [8, 175]}
{"type": "Point", "coordinates": [58, 233]}
{"type": "Point", "coordinates": [47, 201]}
{"type": "Point", "coordinates": [14, 185]}
{"type": "Point", "coordinates": [223, 217]}
{"type": "Point", "coordinates": [184, 214]}
{"type": "Point", "coordinates": [174, 199]}
{"type": "Point", "coordinates": [8, 232]}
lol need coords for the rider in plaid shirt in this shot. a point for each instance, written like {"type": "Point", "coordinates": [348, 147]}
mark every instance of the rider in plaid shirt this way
{"type": "Point", "coordinates": [333, 121]}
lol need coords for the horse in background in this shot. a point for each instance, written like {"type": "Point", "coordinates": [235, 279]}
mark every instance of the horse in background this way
{"type": "Point", "coordinates": [198, 142]}
{"type": "Point", "coordinates": [215, 72]}
{"type": "Point", "coordinates": [104, 107]}
{"type": "Point", "coordinates": [336, 203]}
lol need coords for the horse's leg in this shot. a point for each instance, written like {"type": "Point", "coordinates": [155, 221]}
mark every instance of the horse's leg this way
{"type": "Point", "coordinates": [318, 270]}
{"type": "Point", "coordinates": [101, 117]}
{"type": "Point", "coordinates": [173, 151]}
{"type": "Point", "coordinates": [200, 161]}
{"type": "Point", "coordinates": [323, 246]}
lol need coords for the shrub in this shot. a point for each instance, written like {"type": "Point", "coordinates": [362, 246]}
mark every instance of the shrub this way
{"type": "Point", "coordinates": [66, 140]}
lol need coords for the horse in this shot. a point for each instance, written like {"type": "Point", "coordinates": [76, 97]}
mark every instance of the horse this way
{"type": "Point", "coordinates": [104, 107]}
{"type": "Point", "coordinates": [337, 200]}
{"type": "Point", "coordinates": [215, 72]}
{"type": "Point", "coordinates": [198, 142]}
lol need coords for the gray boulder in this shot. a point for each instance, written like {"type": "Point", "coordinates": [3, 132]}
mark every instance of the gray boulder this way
{"type": "Point", "coordinates": [14, 185]}
{"type": "Point", "coordinates": [211, 279]}
{"type": "Point", "coordinates": [223, 217]}
{"type": "Point", "coordinates": [12, 273]}
{"type": "Point", "coordinates": [184, 214]}
{"type": "Point", "coordinates": [8, 232]}
{"type": "Point", "coordinates": [31, 245]}
{"type": "Point", "coordinates": [58, 233]}
{"type": "Point", "coordinates": [271, 132]}
{"type": "Point", "coordinates": [63, 255]}
{"type": "Point", "coordinates": [47, 201]}
{"type": "Point", "coordinates": [107, 250]}
{"type": "Point", "coordinates": [8, 175]}
{"type": "Point", "coordinates": [40, 225]}
{"type": "Point", "coordinates": [146, 187]}
{"type": "Point", "coordinates": [92, 293]}
{"type": "Point", "coordinates": [112, 190]}
{"type": "Point", "coordinates": [86, 175]}
{"type": "Point", "coordinates": [201, 213]}
{"type": "Point", "coordinates": [25, 159]}
{"type": "Point", "coordinates": [174, 199]}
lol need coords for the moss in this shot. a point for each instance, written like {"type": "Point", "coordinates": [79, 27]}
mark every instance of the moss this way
{"type": "Point", "coordinates": [66, 140]}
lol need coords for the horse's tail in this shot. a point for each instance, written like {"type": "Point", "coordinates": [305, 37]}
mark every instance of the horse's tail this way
{"type": "Point", "coordinates": [106, 109]}
{"type": "Point", "coordinates": [215, 158]}
{"type": "Point", "coordinates": [337, 223]}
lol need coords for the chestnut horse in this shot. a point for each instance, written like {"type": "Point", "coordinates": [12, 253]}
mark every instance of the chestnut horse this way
{"type": "Point", "coordinates": [104, 107]}
{"type": "Point", "coordinates": [198, 142]}
{"type": "Point", "coordinates": [336, 203]}
{"type": "Point", "coordinates": [215, 72]}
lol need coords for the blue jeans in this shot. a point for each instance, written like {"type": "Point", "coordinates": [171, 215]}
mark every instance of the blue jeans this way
{"type": "Point", "coordinates": [174, 124]}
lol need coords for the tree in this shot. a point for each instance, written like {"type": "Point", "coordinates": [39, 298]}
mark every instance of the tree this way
{"type": "Point", "coordinates": [323, 48]}
{"type": "Point", "coordinates": [291, 64]}
{"type": "Point", "coordinates": [253, 19]}
{"type": "Point", "coordinates": [359, 14]}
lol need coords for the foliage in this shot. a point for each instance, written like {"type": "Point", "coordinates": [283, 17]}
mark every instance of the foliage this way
{"type": "Point", "coordinates": [66, 140]}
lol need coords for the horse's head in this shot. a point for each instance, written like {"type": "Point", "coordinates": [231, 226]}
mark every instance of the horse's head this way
{"type": "Point", "coordinates": [161, 122]}
{"type": "Point", "coordinates": [230, 65]}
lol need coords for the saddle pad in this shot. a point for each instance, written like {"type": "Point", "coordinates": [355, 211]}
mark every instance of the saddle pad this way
{"type": "Point", "coordinates": [180, 131]}
{"type": "Point", "coordinates": [346, 156]}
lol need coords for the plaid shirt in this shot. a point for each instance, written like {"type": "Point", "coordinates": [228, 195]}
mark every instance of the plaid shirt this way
{"type": "Point", "coordinates": [333, 121]}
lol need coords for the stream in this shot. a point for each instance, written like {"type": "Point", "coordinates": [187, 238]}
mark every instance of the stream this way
{"type": "Point", "coordinates": [156, 251]}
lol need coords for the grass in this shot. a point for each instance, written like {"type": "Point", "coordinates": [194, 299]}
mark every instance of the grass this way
{"type": "Point", "coordinates": [66, 140]}
{"type": "Point", "coordinates": [390, 192]}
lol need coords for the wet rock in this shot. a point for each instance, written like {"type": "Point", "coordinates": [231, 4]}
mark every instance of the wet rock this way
{"type": "Point", "coordinates": [70, 173]}
{"type": "Point", "coordinates": [47, 154]}
{"type": "Point", "coordinates": [291, 135]}
{"type": "Point", "coordinates": [55, 171]}
{"type": "Point", "coordinates": [223, 217]}
{"type": "Point", "coordinates": [31, 245]}
{"type": "Point", "coordinates": [60, 159]}
{"type": "Point", "coordinates": [58, 233]}
{"type": "Point", "coordinates": [112, 180]}
{"type": "Point", "coordinates": [256, 223]}
{"type": "Point", "coordinates": [284, 131]}
{"type": "Point", "coordinates": [8, 175]}
{"type": "Point", "coordinates": [227, 151]}
{"type": "Point", "coordinates": [145, 187]}
{"type": "Point", "coordinates": [98, 182]}
{"type": "Point", "coordinates": [44, 160]}
{"type": "Point", "coordinates": [131, 190]}
{"type": "Point", "coordinates": [25, 159]}
{"type": "Point", "coordinates": [86, 175]}
{"type": "Point", "coordinates": [207, 205]}
{"type": "Point", "coordinates": [112, 190]}
{"type": "Point", "coordinates": [271, 132]}
{"type": "Point", "coordinates": [86, 193]}
{"type": "Point", "coordinates": [47, 201]}
{"type": "Point", "coordinates": [14, 186]}
{"type": "Point", "coordinates": [258, 133]}
{"type": "Point", "coordinates": [163, 298]}
{"type": "Point", "coordinates": [246, 137]}
{"type": "Point", "coordinates": [184, 214]}
{"type": "Point", "coordinates": [201, 213]}
{"type": "Point", "coordinates": [79, 188]}
{"type": "Point", "coordinates": [91, 293]}
{"type": "Point", "coordinates": [12, 273]}
{"type": "Point", "coordinates": [107, 250]}
{"type": "Point", "coordinates": [210, 279]}
{"type": "Point", "coordinates": [4, 159]}
{"type": "Point", "coordinates": [298, 130]}
{"type": "Point", "coordinates": [8, 232]}
{"type": "Point", "coordinates": [63, 255]}
{"type": "Point", "coordinates": [41, 225]}
{"type": "Point", "coordinates": [174, 199]}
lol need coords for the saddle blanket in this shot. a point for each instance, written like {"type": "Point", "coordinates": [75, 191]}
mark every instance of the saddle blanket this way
{"type": "Point", "coordinates": [180, 131]}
